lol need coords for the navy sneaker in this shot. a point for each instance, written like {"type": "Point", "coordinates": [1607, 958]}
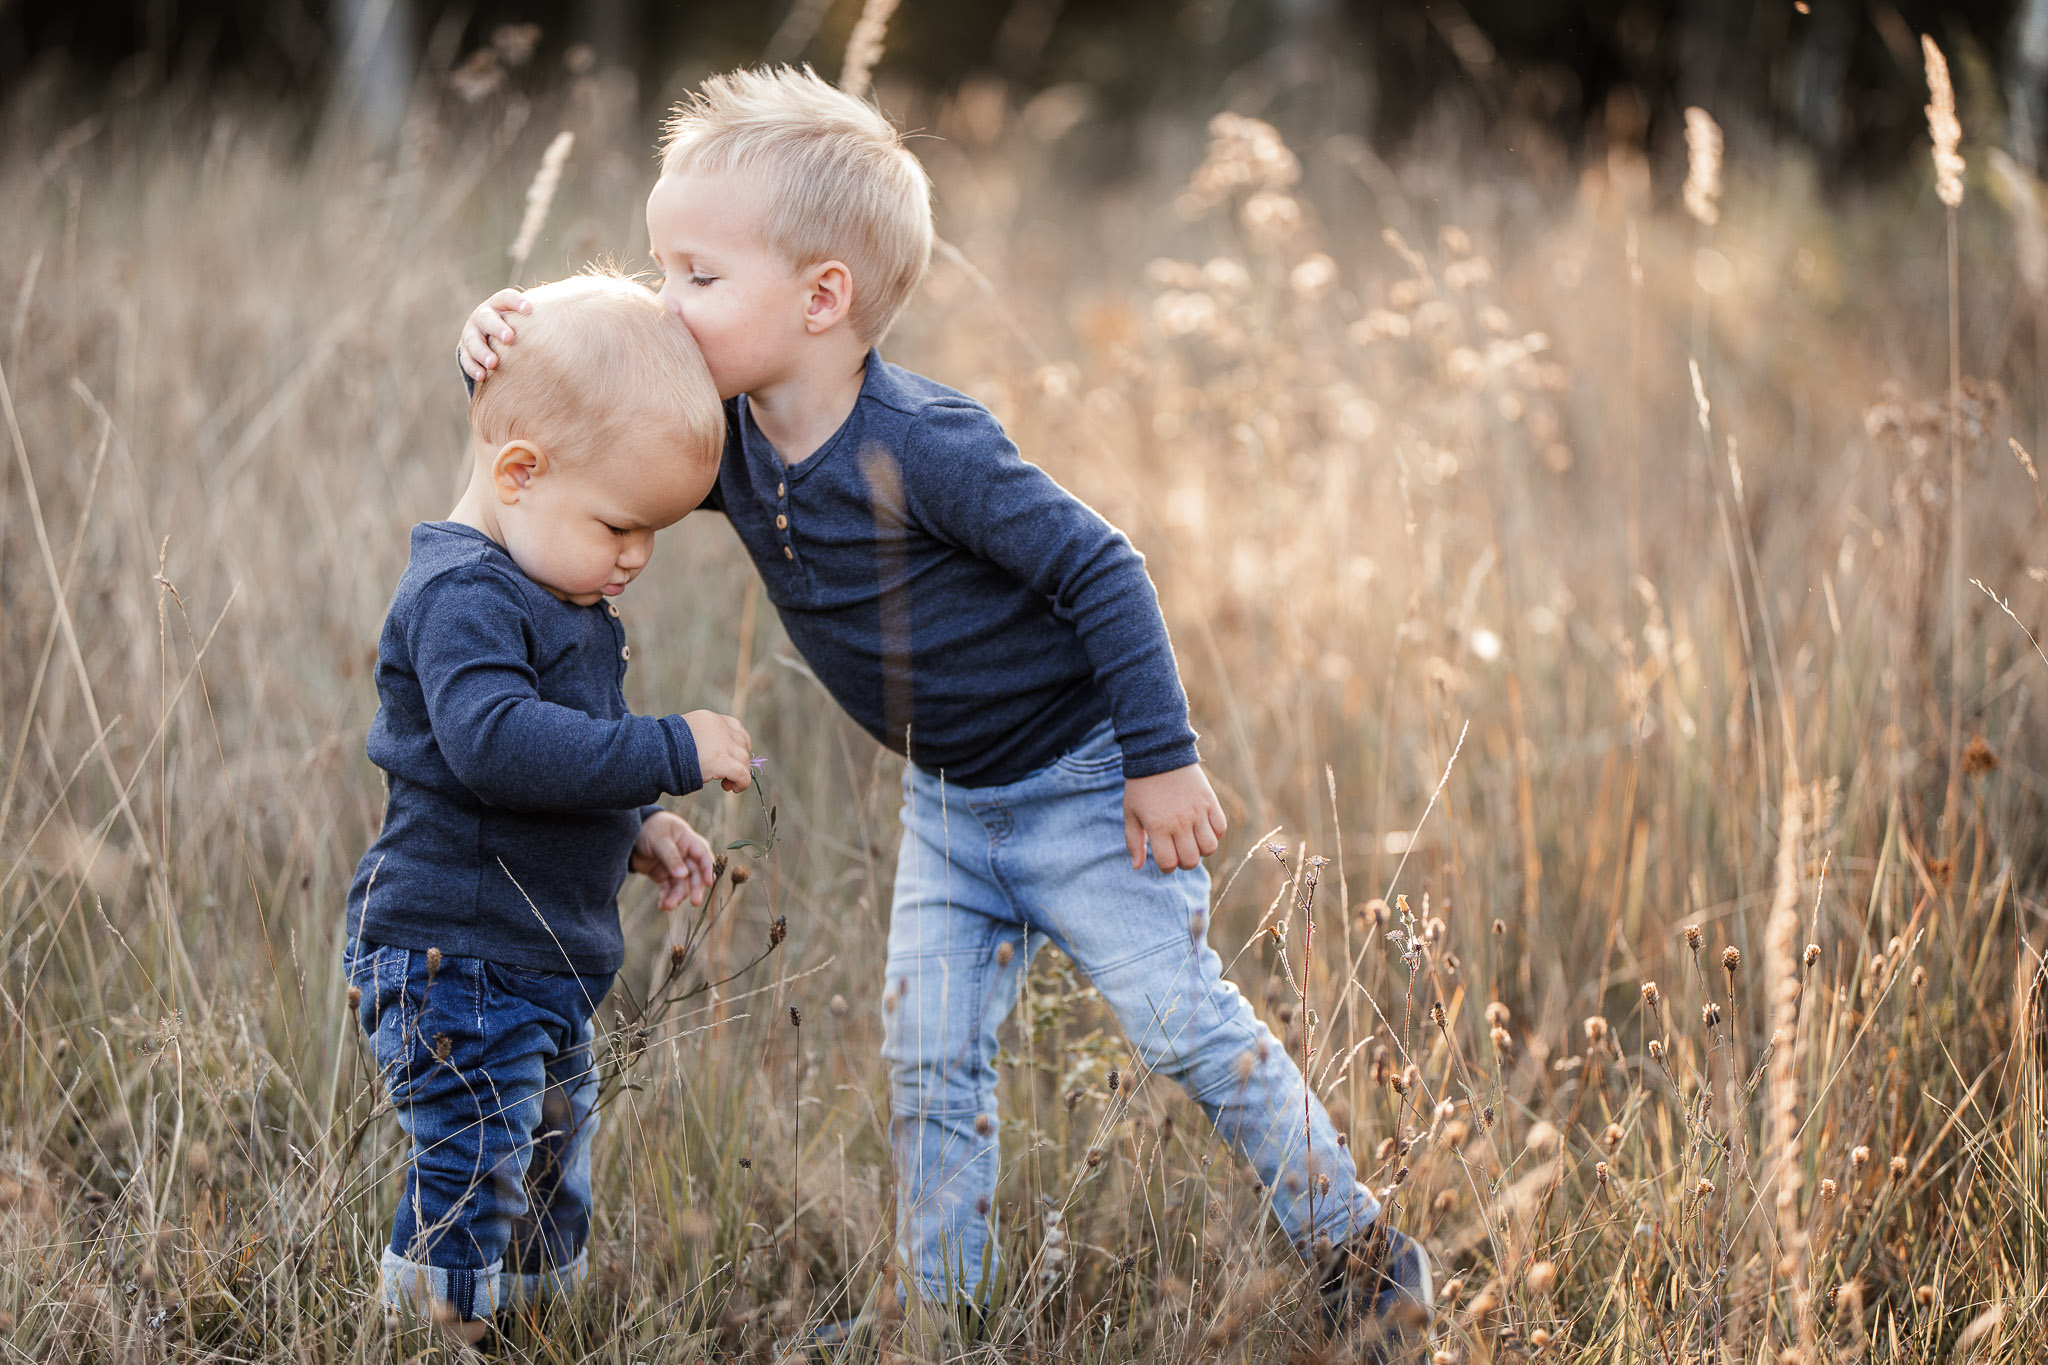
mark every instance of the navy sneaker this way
{"type": "Point", "coordinates": [1379, 1280]}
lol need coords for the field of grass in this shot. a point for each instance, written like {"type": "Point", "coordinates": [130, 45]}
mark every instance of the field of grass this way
{"type": "Point", "coordinates": [1582, 584]}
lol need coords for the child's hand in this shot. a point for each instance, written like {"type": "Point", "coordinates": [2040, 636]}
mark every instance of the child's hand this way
{"type": "Point", "coordinates": [1177, 813]}
{"type": "Point", "coordinates": [675, 857]}
{"type": "Point", "coordinates": [488, 329]}
{"type": "Point", "coordinates": [724, 749]}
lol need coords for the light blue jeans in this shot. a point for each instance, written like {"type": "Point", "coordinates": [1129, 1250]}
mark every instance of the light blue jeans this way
{"type": "Point", "coordinates": [1043, 859]}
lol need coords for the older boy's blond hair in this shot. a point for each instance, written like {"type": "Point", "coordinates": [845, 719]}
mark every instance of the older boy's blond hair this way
{"type": "Point", "coordinates": [835, 178]}
{"type": "Point", "coordinates": [598, 358]}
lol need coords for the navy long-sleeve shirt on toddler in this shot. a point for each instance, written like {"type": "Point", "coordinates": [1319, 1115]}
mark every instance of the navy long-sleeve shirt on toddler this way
{"type": "Point", "coordinates": [943, 588]}
{"type": "Point", "coordinates": [518, 779]}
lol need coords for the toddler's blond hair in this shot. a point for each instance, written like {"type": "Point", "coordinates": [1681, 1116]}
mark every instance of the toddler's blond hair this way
{"type": "Point", "coordinates": [597, 358]}
{"type": "Point", "coordinates": [836, 180]}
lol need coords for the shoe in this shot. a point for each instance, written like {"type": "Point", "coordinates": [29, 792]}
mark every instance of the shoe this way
{"type": "Point", "coordinates": [1379, 1279]}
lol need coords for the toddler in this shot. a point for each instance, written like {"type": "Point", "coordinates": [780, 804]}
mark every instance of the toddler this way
{"type": "Point", "coordinates": [970, 613]}
{"type": "Point", "coordinates": [483, 924]}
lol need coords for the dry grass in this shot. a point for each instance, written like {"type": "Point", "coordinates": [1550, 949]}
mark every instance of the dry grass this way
{"type": "Point", "coordinates": [1447, 487]}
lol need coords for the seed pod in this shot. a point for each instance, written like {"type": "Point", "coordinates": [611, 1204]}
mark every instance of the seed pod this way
{"type": "Point", "coordinates": [1651, 995]}
{"type": "Point", "coordinates": [1693, 937]}
{"type": "Point", "coordinates": [1497, 1014]}
{"type": "Point", "coordinates": [1812, 954]}
{"type": "Point", "coordinates": [777, 931]}
{"type": "Point", "coordinates": [433, 961]}
{"type": "Point", "coordinates": [355, 997]}
{"type": "Point", "coordinates": [1596, 1030]}
{"type": "Point", "coordinates": [1710, 1014]}
{"type": "Point", "coordinates": [742, 874]}
{"type": "Point", "coordinates": [1731, 958]}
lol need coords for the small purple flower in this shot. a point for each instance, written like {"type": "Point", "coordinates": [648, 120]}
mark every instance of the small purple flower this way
{"type": "Point", "coordinates": [758, 762]}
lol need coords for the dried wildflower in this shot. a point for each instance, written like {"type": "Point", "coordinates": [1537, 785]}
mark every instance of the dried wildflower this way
{"type": "Point", "coordinates": [1539, 1338]}
{"type": "Point", "coordinates": [1005, 951]}
{"type": "Point", "coordinates": [1094, 1157]}
{"type": "Point", "coordinates": [1849, 1298]}
{"type": "Point", "coordinates": [1702, 166]}
{"type": "Point", "coordinates": [355, 997]}
{"type": "Point", "coordinates": [742, 874]}
{"type": "Point", "coordinates": [779, 930]}
{"type": "Point", "coordinates": [984, 1125]}
{"type": "Point", "coordinates": [1693, 937]}
{"type": "Point", "coordinates": [1437, 1015]}
{"type": "Point", "coordinates": [1859, 1158]}
{"type": "Point", "coordinates": [1656, 1050]}
{"type": "Point", "coordinates": [1388, 1148]}
{"type": "Point", "coordinates": [1114, 1079]}
{"type": "Point", "coordinates": [1502, 1039]}
{"type": "Point", "coordinates": [1453, 1290]}
{"type": "Point", "coordinates": [1731, 958]}
{"type": "Point", "coordinates": [1600, 1171]}
{"type": "Point", "coordinates": [1651, 995]}
{"type": "Point", "coordinates": [1497, 1014]}
{"type": "Point", "coordinates": [796, 1017]}
{"type": "Point", "coordinates": [1445, 1110]}
{"type": "Point", "coordinates": [1710, 1014]}
{"type": "Point", "coordinates": [1942, 126]}
{"type": "Point", "coordinates": [1613, 1136]}
{"type": "Point", "coordinates": [433, 962]}
{"type": "Point", "coordinates": [1898, 1168]}
{"type": "Point", "coordinates": [1542, 1277]}
{"type": "Point", "coordinates": [1978, 758]}
{"type": "Point", "coordinates": [1811, 955]}
{"type": "Point", "coordinates": [1924, 1295]}
{"type": "Point", "coordinates": [1828, 1189]}
{"type": "Point", "coordinates": [1500, 927]}
{"type": "Point", "coordinates": [1596, 1030]}
{"type": "Point", "coordinates": [1704, 1188]}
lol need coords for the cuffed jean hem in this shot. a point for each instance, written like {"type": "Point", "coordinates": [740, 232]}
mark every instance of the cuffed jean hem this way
{"type": "Point", "coordinates": [517, 1289]}
{"type": "Point", "coordinates": [473, 1294]}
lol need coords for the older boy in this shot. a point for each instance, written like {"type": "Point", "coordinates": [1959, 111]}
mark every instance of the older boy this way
{"type": "Point", "coordinates": [969, 612]}
{"type": "Point", "coordinates": [483, 925]}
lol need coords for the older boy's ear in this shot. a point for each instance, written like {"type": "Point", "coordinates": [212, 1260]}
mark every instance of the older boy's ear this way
{"type": "Point", "coordinates": [831, 296]}
{"type": "Point", "coordinates": [516, 465]}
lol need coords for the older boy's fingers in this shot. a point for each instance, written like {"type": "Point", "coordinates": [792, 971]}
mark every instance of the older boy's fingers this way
{"type": "Point", "coordinates": [1205, 838]}
{"type": "Point", "coordinates": [1184, 848]}
{"type": "Point", "coordinates": [509, 300]}
{"type": "Point", "coordinates": [1134, 840]}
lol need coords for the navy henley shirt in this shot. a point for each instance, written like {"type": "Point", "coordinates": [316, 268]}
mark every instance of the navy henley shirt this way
{"type": "Point", "coordinates": [949, 594]}
{"type": "Point", "coordinates": [518, 780]}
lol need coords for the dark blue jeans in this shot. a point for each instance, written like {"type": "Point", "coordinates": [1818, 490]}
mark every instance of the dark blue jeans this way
{"type": "Point", "coordinates": [490, 1071]}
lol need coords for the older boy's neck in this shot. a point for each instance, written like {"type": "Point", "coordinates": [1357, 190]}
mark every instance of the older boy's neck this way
{"type": "Point", "coordinates": [801, 413]}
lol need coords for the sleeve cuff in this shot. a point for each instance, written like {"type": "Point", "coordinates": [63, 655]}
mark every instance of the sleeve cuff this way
{"type": "Point", "coordinates": [682, 749]}
{"type": "Point", "coordinates": [1150, 762]}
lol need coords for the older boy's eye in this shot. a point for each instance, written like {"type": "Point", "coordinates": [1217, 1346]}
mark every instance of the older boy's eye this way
{"type": "Point", "coordinates": [701, 280]}
{"type": "Point", "coordinates": [615, 530]}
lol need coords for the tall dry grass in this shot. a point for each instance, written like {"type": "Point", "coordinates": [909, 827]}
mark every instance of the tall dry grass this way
{"type": "Point", "coordinates": [1671, 1016]}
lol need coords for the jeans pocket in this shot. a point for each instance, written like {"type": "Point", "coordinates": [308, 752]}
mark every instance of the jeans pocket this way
{"type": "Point", "coordinates": [1096, 754]}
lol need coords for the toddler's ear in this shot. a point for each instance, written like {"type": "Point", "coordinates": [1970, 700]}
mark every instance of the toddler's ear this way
{"type": "Point", "coordinates": [517, 464]}
{"type": "Point", "coordinates": [831, 296]}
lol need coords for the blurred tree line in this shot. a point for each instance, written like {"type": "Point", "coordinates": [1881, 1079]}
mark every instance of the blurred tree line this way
{"type": "Point", "coordinates": [1842, 77]}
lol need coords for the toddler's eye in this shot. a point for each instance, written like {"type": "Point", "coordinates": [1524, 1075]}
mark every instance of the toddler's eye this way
{"type": "Point", "coordinates": [701, 280]}
{"type": "Point", "coordinates": [615, 530]}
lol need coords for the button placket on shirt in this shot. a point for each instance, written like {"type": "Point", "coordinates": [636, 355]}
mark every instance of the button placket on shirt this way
{"type": "Point", "coordinates": [782, 517]}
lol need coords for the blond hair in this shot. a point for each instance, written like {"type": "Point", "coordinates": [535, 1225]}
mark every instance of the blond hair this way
{"type": "Point", "coordinates": [598, 358]}
{"type": "Point", "coordinates": [836, 179]}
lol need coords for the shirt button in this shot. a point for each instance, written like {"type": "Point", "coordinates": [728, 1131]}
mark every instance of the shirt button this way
{"type": "Point", "coordinates": [625, 654]}
{"type": "Point", "coordinates": [781, 490]}
{"type": "Point", "coordinates": [613, 608]}
{"type": "Point", "coordinates": [788, 553]}
{"type": "Point", "coordinates": [781, 523]}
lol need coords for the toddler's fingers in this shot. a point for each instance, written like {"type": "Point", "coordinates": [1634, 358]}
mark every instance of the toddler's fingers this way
{"type": "Point", "coordinates": [509, 300]}
{"type": "Point", "coordinates": [1134, 840]}
{"type": "Point", "coordinates": [1184, 847]}
{"type": "Point", "coordinates": [1205, 838]}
